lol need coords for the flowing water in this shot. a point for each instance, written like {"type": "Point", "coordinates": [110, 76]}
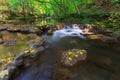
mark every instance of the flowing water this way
{"type": "Point", "coordinates": [68, 31]}
{"type": "Point", "coordinates": [101, 63]}
{"type": "Point", "coordinates": [65, 39]}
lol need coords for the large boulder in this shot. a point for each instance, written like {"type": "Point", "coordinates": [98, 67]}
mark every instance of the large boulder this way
{"type": "Point", "coordinates": [24, 59]}
{"type": "Point", "coordinates": [71, 57]}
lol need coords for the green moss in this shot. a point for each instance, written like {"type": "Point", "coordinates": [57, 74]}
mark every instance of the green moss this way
{"type": "Point", "coordinates": [11, 50]}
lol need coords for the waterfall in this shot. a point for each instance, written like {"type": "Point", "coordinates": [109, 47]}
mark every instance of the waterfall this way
{"type": "Point", "coordinates": [69, 31]}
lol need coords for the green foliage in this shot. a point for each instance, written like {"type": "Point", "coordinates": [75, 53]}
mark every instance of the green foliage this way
{"type": "Point", "coordinates": [85, 11]}
{"type": "Point", "coordinates": [114, 21]}
{"type": "Point", "coordinates": [111, 23]}
{"type": "Point", "coordinates": [86, 20]}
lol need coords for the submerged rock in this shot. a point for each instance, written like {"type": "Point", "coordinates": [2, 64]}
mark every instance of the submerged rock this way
{"type": "Point", "coordinates": [61, 73]}
{"type": "Point", "coordinates": [108, 39]}
{"type": "Point", "coordinates": [115, 76]}
{"type": "Point", "coordinates": [71, 57]}
{"type": "Point", "coordinates": [105, 62]}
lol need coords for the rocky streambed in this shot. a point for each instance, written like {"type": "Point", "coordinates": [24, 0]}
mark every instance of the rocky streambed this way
{"type": "Point", "coordinates": [64, 58]}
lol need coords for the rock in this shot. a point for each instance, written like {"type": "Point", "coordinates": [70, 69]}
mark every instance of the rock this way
{"type": "Point", "coordinates": [11, 67]}
{"type": "Point", "coordinates": [1, 41]}
{"type": "Point", "coordinates": [9, 42]}
{"type": "Point", "coordinates": [13, 29]}
{"type": "Point", "coordinates": [49, 32]}
{"type": "Point", "coordinates": [116, 47]}
{"type": "Point", "coordinates": [3, 28]}
{"type": "Point", "coordinates": [3, 73]}
{"type": "Point", "coordinates": [87, 32]}
{"type": "Point", "coordinates": [38, 52]}
{"type": "Point", "coordinates": [44, 28]}
{"type": "Point", "coordinates": [71, 57]}
{"type": "Point", "coordinates": [108, 39]}
{"type": "Point", "coordinates": [26, 58]}
{"type": "Point", "coordinates": [19, 56]}
{"type": "Point", "coordinates": [1, 63]}
{"type": "Point", "coordinates": [95, 36]}
{"type": "Point", "coordinates": [97, 29]}
{"type": "Point", "coordinates": [102, 60]}
{"type": "Point", "coordinates": [40, 49]}
{"type": "Point", "coordinates": [36, 43]}
{"type": "Point", "coordinates": [61, 73]}
{"type": "Point", "coordinates": [33, 30]}
{"type": "Point", "coordinates": [115, 76]}
{"type": "Point", "coordinates": [19, 62]}
{"type": "Point", "coordinates": [105, 63]}
{"type": "Point", "coordinates": [24, 29]}
{"type": "Point", "coordinates": [5, 61]}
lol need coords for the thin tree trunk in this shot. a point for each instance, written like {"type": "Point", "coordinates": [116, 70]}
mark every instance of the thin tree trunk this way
{"type": "Point", "coordinates": [76, 8]}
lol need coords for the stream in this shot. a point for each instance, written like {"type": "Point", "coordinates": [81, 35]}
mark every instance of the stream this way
{"type": "Point", "coordinates": [102, 63]}
{"type": "Point", "coordinates": [107, 65]}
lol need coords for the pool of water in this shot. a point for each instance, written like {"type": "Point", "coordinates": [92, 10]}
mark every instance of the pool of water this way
{"type": "Point", "coordinates": [102, 62]}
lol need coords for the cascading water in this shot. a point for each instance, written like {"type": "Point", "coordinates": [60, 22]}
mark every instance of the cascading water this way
{"type": "Point", "coordinates": [68, 31]}
{"type": "Point", "coordinates": [58, 43]}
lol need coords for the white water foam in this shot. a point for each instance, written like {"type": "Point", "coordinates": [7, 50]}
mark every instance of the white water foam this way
{"type": "Point", "coordinates": [68, 31]}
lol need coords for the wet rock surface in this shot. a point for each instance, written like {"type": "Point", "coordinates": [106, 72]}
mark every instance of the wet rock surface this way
{"type": "Point", "coordinates": [25, 59]}
{"type": "Point", "coordinates": [107, 39]}
{"type": "Point", "coordinates": [49, 32]}
{"type": "Point", "coordinates": [3, 28]}
{"type": "Point", "coordinates": [42, 70]}
{"type": "Point", "coordinates": [71, 57]}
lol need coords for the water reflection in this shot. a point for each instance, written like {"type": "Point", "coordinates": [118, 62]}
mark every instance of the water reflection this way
{"type": "Point", "coordinates": [101, 61]}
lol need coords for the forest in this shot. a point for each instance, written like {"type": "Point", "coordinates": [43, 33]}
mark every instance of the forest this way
{"type": "Point", "coordinates": [104, 12]}
{"type": "Point", "coordinates": [59, 39]}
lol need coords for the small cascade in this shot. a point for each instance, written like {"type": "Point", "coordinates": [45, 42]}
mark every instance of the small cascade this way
{"type": "Point", "coordinates": [68, 31]}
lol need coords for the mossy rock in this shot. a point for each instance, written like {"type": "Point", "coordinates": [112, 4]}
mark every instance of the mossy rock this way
{"type": "Point", "coordinates": [71, 57]}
